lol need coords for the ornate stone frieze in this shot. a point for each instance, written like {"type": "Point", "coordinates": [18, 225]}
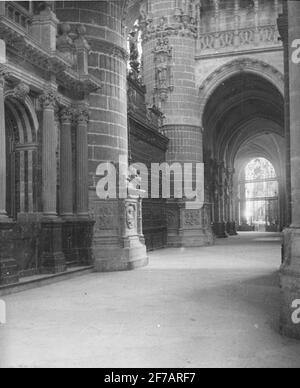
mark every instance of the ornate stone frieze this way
{"type": "Point", "coordinates": [185, 21]}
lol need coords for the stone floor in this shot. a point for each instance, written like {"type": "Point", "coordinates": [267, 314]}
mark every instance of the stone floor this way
{"type": "Point", "coordinates": [209, 307]}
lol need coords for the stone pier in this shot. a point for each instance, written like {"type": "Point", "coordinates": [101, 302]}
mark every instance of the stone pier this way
{"type": "Point", "coordinates": [290, 271]}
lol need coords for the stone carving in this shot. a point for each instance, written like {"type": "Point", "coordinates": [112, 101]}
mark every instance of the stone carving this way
{"type": "Point", "coordinates": [172, 218]}
{"type": "Point", "coordinates": [192, 218]}
{"type": "Point", "coordinates": [21, 91]}
{"type": "Point", "coordinates": [105, 216]}
{"type": "Point", "coordinates": [64, 42]}
{"type": "Point", "coordinates": [134, 53]}
{"type": "Point", "coordinates": [130, 216]}
{"type": "Point", "coordinates": [154, 115]}
{"type": "Point", "coordinates": [48, 99]}
{"type": "Point", "coordinates": [67, 115]}
{"type": "Point", "coordinates": [163, 75]}
{"type": "Point", "coordinates": [243, 39]}
{"type": "Point", "coordinates": [3, 75]}
{"type": "Point", "coordinates": [82, 115]}
{"type": "Point", "coordinates": [185, 22]}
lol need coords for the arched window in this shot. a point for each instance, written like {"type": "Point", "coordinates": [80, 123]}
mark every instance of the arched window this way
{"type": "Point", "coordinates": [259, 207]}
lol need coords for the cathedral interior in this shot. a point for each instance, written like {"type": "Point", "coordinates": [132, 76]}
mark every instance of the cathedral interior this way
{"type": "Point", "coordinates": [209, 82]}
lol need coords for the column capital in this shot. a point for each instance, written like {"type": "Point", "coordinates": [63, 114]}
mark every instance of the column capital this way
{"type": "Point", "coordinates": [3, 75]}
{"type": "Point", "coordinates": [21, 91]}
{"type": "Point", "coordinates": [48, 99]}
{"type": "Point", "coordinates": [82, 114]}
{"type": "Point", "coordinates": [66, 115]}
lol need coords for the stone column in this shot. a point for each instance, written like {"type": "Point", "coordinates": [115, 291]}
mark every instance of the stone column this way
{"type": "Point", "coordinates": [52, 259]}
{"type": "Point", "coordinates": [219, 225]}
{"type": "Point", "coordinates": [232, 231]}
{"type": "Point", "coordinates": [218, 25]}
{"type": "Point", "coordinates": [48, 102]}
{"type": "Point", "coordinates": [82, 172]}
{"type": "Point", "coordinates": [283, 30]}
{"type": "Point", "coordinates": [116, 242]}
{"type": "Point", "coordinates": [169, 74]}
{"type": "Point", "coordinates": [66, 164]}
{"type": "Point", "coordinates": [66, 193]}
{"type": "Point", "coordinates": [290, 271]}
{"type": "Point", "coordinates": [8, 265]}
{"type": "Point", "coordinates": [256, 21]}
{"type": "Point", "coordinates": [3, 214]}
{"type": "Point", "coordinates": [237, 23]}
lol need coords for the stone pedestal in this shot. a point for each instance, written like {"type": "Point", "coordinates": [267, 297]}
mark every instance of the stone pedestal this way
{"type": "Point", "coordinates": [52, 259]}
{"type": "Point", "coordinates": [290, 283]}
{"type": "Point", "coordinates": [112, 252]}
{"type": "Point", "coordinates": [186, 227]}
{"type": "Point", "coordinates": [9, 272]}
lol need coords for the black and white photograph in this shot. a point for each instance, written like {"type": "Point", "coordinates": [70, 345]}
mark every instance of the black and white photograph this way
{"type": "Point", "coordinates": [150, 187]}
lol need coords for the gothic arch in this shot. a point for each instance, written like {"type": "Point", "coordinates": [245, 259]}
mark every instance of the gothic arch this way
{"type": "Point", "coordinates": [238, 66]}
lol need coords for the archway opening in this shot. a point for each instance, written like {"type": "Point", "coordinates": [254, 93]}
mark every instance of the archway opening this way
{"type": "Point", "coordinates": [243, 121]}
{"type": "Point", "coordinates": [21, 159]}
{"type": "Point", "coordinates": [258, 197]}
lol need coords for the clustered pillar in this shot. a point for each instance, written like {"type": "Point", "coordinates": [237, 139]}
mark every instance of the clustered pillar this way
{"type": "Point", "coordinates": [169, 74]}
{"type": "Point", "coordinates": [117, 244]}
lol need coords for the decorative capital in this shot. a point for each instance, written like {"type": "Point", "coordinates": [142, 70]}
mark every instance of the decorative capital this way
{"type": "Point", "coordinates": [67, 115]}
{"type": "Point", "coordinates": [3, 75]}
{"type": "Point", "coordinates": [21, 91]}
{"type": "Point", "coordinates": [48, 100]}
{"type": "Point", "coordinates": [82, 115]}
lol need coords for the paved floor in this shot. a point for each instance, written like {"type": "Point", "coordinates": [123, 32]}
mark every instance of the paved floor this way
{"type": "Point", "coordinates": [209, 307]}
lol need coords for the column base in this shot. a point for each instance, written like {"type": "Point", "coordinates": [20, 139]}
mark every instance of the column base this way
{"type": "Point", "coordinates": [84, 229]}
{"type": "Point", "coordinates": [9, 270]}
{"type": "Point", "coordinates": [188, 228]}
{"type": "Point", "coordinates": [117, 245]}
{"type": "Point", "coordinates": [52, 259]}
{"type": "Point", "coordinates": [220, 230]}
{"type": "Point", "coordinates": [231, 229]}
{"type": "Point", "coordinates": [290, 284]}
{"type": "Point", "coordinates": [69, 241]}
{"type": "Point", "coordinates": [131, 257]}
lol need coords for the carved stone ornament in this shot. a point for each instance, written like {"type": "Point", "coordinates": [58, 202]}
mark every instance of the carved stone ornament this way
{"type": "Point", "coordinates": [21, 91]}
{"type": "Point", "coordinates": [131, 216]}
{"type": "Point", "coordinates": [48, 99]}
{"type": "Point", "coordinates": [163, 74]}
